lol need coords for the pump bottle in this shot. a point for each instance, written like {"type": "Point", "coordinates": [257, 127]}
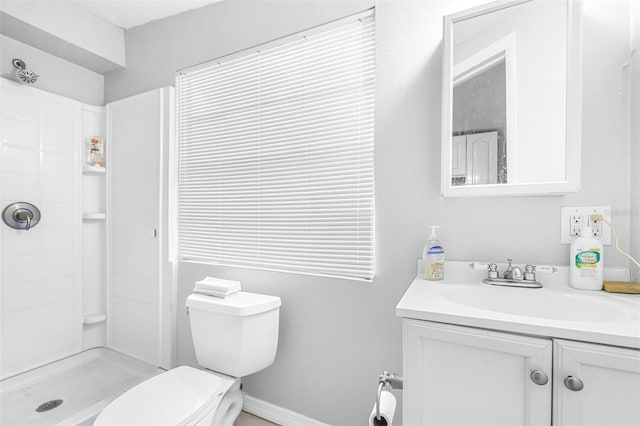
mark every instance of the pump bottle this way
{"type": "Point", "coordinates": [586, 261]}
{"type": "Point", "coordinates": [433, 256]}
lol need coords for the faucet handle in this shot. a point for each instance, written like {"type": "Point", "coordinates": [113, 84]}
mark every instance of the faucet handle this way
{"type": "Point", "coordinates": [479, 266]}
{"type": "Point", "coordinates": [493, 271]}
{"type": "Point", "coordinates": [545, 269]}
{"type": "Point", "coordinates": [492, 268]}
{"type": "Point", "coordinates": [530, 271]}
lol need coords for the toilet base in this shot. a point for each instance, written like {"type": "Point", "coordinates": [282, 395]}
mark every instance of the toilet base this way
{"type": "Point", "coordinates": [229, 408]}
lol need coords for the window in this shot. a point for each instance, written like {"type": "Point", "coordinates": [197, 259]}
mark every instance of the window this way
{"type": "Point", "coordinates": [275, 154]}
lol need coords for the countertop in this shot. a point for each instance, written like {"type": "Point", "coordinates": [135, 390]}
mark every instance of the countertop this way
{"type": "Point", "coordinates": [556, 310]}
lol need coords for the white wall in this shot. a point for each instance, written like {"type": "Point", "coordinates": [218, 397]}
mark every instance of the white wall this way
{"type": "Point", "coordinates": [56, 75]}
{"type": "Point", "coordinates": [337, 336]}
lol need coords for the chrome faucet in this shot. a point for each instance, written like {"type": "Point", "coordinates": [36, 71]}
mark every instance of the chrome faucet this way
{"type": "Point", "coordinates": [513, 273]}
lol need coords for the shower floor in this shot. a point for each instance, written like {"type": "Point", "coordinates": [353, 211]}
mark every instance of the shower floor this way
{"type": "Point", "coordinates": [86, 383]}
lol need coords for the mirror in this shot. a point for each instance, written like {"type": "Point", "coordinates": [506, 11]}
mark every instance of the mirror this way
{"type": "Point", "coordinates": [511, 99]}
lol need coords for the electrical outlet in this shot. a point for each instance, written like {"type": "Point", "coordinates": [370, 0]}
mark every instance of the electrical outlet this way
{"type": "Point", "coordinates": [574, 218]}
{"type": "Point", "coordinates": [595, 223]}
{"type": "Point", "coordinates": [576, 221]}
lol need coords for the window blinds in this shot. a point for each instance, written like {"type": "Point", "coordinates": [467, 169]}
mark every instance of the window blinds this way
{"type": "Point", "coordinates": [275, 154]}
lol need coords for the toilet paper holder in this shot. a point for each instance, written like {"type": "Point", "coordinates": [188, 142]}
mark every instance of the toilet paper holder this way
{"type": "Point", "coordinates": [387, 380]}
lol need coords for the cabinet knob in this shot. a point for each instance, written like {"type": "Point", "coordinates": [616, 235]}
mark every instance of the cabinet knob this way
{"type": "Point", "coordinates": [573, 383]}
{"type": "Point", "coordinates": [539, 377]}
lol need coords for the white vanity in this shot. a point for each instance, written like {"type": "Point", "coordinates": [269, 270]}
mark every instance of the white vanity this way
{"type": "Point", "coordinates": [476, 354]}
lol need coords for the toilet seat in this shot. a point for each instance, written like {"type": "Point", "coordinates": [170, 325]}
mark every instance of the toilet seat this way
{"type": "Point", "coordinates": [181, 396]}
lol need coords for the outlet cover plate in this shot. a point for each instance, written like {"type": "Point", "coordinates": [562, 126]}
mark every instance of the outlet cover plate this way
{"type": "Point", "coordinates": [569, 213]}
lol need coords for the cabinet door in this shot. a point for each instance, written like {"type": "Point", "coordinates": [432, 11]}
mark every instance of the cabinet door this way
{"type": "Point", "coordinates": [610, 379]}
{"type": "Point", "coordinates": [465, 376]}
{"type": "Point", "coordinates": [482, 158]}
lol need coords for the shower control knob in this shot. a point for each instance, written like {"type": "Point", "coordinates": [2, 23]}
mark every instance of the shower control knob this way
{"type": "Point", "coordinates": [539, 377]}
{"type": "Point", "coordinates": [21, 216]}
{"type": "Point", "coordinates": [573, 383]}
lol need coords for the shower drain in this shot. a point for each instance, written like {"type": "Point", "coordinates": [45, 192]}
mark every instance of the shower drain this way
{"type": "Point", "coordinates": [49, 405]}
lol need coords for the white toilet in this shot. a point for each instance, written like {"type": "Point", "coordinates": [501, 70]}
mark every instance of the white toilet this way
{"type": "Point", "coordinates": [233, 337]}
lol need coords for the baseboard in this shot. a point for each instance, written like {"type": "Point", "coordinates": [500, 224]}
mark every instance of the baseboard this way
{"type": "Point", "coordinates": [276, 414]}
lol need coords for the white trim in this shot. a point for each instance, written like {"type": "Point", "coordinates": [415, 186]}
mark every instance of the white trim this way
{"type": "Point", "coordinates": [107, 229]}
{"type": "Point", "coordinates": [484, 59]}
{"type": "Point", "coordinates": [78, 285]}
{"type": "Point", "coordinates": [483, 9]}
{"type": "Point", "coordinates": [509, 189]}
{"type": "Point", "coordinates": [166, 317]}
{"type": "Point", "coordinates": [276, 414]}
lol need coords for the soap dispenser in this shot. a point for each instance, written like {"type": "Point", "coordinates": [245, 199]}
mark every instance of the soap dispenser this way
{"type": "Point", "coordinates": [433, 256]}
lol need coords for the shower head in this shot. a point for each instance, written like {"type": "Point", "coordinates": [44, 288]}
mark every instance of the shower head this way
{"type": "Point", "coordinates": [23, 74]}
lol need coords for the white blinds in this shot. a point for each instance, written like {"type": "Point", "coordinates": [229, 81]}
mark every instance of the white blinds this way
{"type": "Point", "coordinates": [275, 154]}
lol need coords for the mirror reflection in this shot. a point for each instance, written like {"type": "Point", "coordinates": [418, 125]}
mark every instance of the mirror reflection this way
{"type": "Point", "coordinates": [509, 88]}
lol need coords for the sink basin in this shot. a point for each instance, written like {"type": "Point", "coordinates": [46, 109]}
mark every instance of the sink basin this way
{"type": "Point", "coordinates": [542, 303]}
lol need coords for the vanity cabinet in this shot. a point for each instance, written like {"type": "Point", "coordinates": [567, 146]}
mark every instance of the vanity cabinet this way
{"type": "Point", "coordinates": [465, 376]}
{"type": "Point", "coordinates": [457, 375]}
{"type": "Point", "coordinates": [606, 380]}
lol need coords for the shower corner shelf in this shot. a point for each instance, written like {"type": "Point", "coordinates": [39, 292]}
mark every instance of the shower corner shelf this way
{"type": "Point", "coordinates": [94, 216]}
{"type": "Point", "coordinates": [94, 318]}
{"type": "Point", "coordinates": [89, 169]}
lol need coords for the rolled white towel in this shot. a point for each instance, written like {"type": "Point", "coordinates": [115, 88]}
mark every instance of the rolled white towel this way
{"type": "Point", "coordinates": [218, 286]}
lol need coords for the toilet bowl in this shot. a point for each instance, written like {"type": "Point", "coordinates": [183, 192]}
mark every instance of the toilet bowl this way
{"type": "Point", "coordinates": [233, 337]}
{"type": "Point", "coordinates": [181, 396]}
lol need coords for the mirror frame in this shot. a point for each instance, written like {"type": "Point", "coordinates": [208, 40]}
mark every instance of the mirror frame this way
{"type": "Point", "coordinates": [573, 146]}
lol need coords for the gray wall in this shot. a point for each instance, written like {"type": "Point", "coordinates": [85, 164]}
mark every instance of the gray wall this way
{"type": "Point", "coordinates": [337, 336]}
{"type": "Point", "coordinates": [56, 75]}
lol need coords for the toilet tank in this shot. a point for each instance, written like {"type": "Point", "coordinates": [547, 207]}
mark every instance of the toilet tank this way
{"type": "Point", "coordinates": [236, 335]}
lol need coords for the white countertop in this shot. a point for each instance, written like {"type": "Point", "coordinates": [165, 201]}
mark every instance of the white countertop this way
{"type": "Point", "coordinates": [556, 310]}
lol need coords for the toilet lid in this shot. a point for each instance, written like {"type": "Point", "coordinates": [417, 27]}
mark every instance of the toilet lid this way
{"type": "Point", "coordinates": [176, 397]}
{"type": "Point", "coordinates": [238, 304]}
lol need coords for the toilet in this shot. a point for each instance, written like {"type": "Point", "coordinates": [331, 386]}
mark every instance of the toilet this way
{"type": "Point", "coordinates": [232, 336]}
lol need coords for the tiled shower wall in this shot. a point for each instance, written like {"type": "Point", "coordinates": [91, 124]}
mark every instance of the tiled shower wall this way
{"type": "Point", "coordinates": [40, 294]}
{"type": "Point", "coordinates": [135, 133]}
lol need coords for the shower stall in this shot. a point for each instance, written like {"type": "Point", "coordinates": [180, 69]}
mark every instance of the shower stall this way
{"type": "Point", "coordinates": [86, 283]}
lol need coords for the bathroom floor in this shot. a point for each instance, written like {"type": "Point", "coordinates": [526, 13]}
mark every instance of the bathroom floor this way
{"type": "Point", "coordinates": [85, 383]}
{"type": "Point", "coordinates": [246, 419]}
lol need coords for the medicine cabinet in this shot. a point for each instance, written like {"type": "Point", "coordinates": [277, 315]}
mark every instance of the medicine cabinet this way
{"type": "Point", "coordinates": [512, 70]}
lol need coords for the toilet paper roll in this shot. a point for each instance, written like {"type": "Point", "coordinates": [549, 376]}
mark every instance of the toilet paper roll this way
{"type": "Point", "coordinates": [387, 410]}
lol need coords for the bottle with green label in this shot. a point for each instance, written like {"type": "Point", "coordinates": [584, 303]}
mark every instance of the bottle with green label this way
{"type": "Point", "coordinates": [586, 261]}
